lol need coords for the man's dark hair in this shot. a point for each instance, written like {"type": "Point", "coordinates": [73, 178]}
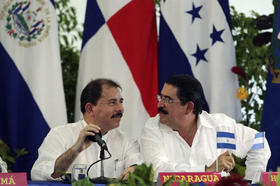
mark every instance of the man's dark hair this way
{"type": "Point", "coordinates": [92, 92]}
{"type": "Point", "coordinates": [188, 89]}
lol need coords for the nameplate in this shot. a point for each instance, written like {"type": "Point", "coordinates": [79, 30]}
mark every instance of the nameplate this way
{"type": "Point", "coordinates": [269, 178]}
{"type": "Point", "coordinates": [13, 179]}
{"type": "Point", "coordinates": [209, 178]}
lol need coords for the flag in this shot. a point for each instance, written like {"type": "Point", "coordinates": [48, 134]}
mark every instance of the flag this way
{"type": "Point", "coordinates": [120, 43]}
{"type": "Point", "coordinates": [195, 38]}
{"type": "Point", "coordinates": [271, 107]}
{"type": "Point", "coordinates": [258, 141]}
{"type": "Point", "coordinates": [226, 140]}
{"type": "Point", "coordinates": [31, 97]}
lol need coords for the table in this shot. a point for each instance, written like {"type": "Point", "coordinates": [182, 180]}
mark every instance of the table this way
{"type": "Point", "coordinates": [46, 183]}
{"type": "Point", "coordinates": [51, 183]}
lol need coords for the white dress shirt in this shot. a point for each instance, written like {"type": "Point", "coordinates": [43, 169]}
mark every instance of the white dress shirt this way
{"type": "Point", "coordinates": [124, 152]}
{"type": "Point", "coordinates": [169, 152]}
{"type": "Point", "coordinates": [3, 166]}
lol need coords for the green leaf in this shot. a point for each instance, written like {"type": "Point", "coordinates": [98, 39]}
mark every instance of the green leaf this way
{"type": "Point", "coordinates": [84, 182]}
{"type": "Point", "coordinates": [253, 60]}
{"type": "Point", "coordinates": [278, 177]}
{"type": "Point", "coordinates": [6, 155]}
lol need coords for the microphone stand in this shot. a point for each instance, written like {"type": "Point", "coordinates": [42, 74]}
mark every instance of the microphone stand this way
{"type": "Point", "coordinates": [101, 179]}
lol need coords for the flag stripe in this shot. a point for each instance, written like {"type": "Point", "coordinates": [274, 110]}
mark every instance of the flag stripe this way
{"type": "Point", "coordinates": [258, 146]}
{"type": "Point", "coordinates": [92, 10]}
{"type": "Point", "coordinates": [17, 110]}
{"type": "Point", "coordinates": [259, 135]}
{"type": "Point", "coordinates": [53, 3]}
{"type": "Point", "coordinates": [226, 140]}
{"type": "Point", "coordinates": [141, 53]}
{"type": "Point", "coordinates": [167, 41]}
{"type": "Point", "coordinates": [225, 134]}
{"type": "Point", "coordinates": [226, 146]}
{"type": "Point", "coordinates": [225, 7]}
{"type": "Point", "coordinates": [168, 66]}
{"type": "Point", "coordinates": [258, 140]}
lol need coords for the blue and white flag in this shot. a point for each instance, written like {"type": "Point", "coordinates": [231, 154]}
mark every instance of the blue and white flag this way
{"type": "Point", "coordinates": [31, 97]}
{"type": "Point", "coordinates": [195, 38]}
{"type": "Point", "coordinates": [258, 141]}
{"type": "Point", "coordinates": [226, 140]}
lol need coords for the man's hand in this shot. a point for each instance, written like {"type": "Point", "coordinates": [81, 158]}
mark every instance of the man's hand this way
{"type": "Point", "coordinates": [82, 143]}
{"type": "Point", "coordinates": [64, 161]}
{"type": "Point", "coordinates": [225, 163]}
{"type": "Point", "coordinates": [125, 173]}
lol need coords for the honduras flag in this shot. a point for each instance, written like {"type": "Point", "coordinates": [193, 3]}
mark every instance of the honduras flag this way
{"type": "Point", "coordinates": [32, 98]}
{"type": "Point", "coordinates": [226, 140]}
{"type": "Point", "coordinates": [120, 43]}
{"type": "Point", "coordinates": [271, 107]}
{"type": "Point", "coordinates": [195, 38]}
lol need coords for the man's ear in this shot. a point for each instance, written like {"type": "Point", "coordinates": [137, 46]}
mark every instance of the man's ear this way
{"type": "Point", "coordinates": [89, 108]}
{"type": "Point", "coordinates": [189, 107]}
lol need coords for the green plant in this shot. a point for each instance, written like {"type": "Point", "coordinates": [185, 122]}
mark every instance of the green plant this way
{"type": "Point", "coordinates": [143, 175]}
{"type": "Point", "coordinates": [278, 176]}
{"type": "Point", "coordinates": [239, 167]}
{"type": "Point", "coordinates": [254, 61]}
{"type": "Point", "coordinates": [84, 182]}
{"type": "Point", "coordinates": [70, 32]}
{"type": "Point", "coordinates": [157, 2]}
{"type": "Point", "coordinates": [10, 156]}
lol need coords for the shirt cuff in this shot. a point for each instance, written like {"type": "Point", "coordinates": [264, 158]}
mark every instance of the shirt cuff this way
{"type": "Point", "coordinates": [254, 173]}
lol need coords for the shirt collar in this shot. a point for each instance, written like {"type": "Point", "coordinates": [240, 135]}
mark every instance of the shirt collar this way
{"type": "Point", "coordinates": [203, 120]}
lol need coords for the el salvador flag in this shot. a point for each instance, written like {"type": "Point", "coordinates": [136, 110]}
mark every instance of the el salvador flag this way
{"type": "Point", "coordinates": [31, 97]}
{"type": "Point", "coordinates": [195, 38]}
{"type": "Point", "coordinates": [120, 43]}
{"type": "Point", "coordinates": [226, 140]}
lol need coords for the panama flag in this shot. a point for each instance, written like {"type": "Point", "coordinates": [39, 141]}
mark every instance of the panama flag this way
{"type": "Point", "coordinates": [195, 38]}
{"type": "Point", "coordinates": [31, 97]}
{"type": "Point", "coordinates": [120, 43]}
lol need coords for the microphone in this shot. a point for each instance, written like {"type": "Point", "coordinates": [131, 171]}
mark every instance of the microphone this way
{"type": "Point", "coordinates": [98, 139]}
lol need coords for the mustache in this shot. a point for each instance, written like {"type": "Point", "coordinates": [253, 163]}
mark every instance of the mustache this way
{"type": "Point", "coordinates": [118, 114]}
{"type": "Point", "coordinates": [161, 110]}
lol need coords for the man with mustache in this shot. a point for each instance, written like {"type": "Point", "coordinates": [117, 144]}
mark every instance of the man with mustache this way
{"type": "Point", "coordinates": [67, 145]}
{"type": "Point", "coordinates": [182, 137]}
